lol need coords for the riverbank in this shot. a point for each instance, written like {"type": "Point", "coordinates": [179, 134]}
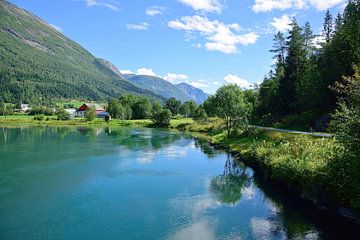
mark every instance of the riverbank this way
{"type": "Point", "coordinates": [26, 120]}
{"type": "Point", "coordinates": [306, 166]}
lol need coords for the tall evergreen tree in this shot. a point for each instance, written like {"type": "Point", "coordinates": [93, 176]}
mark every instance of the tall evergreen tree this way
{"type": "Point", "coordinates": [294, 66]}
{"type": "Point", "coordinates": [328, 27]}
{"type": "Point", "coordinates": [338, 22]}
{"type": "Point", "coordinates": [308, 39]}
{"type": "Point", "coordinates": [279, 48]}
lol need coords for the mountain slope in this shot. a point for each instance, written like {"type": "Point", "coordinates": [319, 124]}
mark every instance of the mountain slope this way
{"type": "Point", "coordinates": [159, 86]}
{"type": "Point", "coordinates": [38, 62]}
{"type": "Point", "coordinates": [181, 91]}
{"type": "Point", "coordinates": [196, 94]}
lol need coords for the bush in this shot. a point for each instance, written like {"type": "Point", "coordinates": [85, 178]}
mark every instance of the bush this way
{"type": "Point", "coordinates": [344, 169]}
{"type": "Point", "coordinates": [200, 115]}
{"type": "Point", "coordinates": [90, 114]}
{"type": "Point", "coordinates": [253, 132]}
{"type": "Point", "coordinates": [161, 118]}
{"type": "Point", "coordinates": [38, 110]}
{"type": "Point", "coordinates": [6, 109]}
{"type": "Point", "coordinates": [62, 114]}
{"type": "Point", "coordinates": [40, 117]}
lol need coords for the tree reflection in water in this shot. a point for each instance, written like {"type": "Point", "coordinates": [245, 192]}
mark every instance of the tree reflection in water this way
{"type": "Point", "coordinates": [205, 147]}
{"type": "Point", "coordinates": [228, 187]}
{"type": "Point", "coordinates": [136, 139]}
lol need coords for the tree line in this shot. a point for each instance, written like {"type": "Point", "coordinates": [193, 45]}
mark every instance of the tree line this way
{"type": "Point", "coordinates": [301, 84]}
{"type": "Point", "coordinates": [138, 107]}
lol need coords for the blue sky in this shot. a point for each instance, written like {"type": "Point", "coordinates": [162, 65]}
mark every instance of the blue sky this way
{"type": "Point", "coordinates": [206, 43]}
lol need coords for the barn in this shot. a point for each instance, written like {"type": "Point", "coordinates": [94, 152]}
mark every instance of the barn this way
{"type": "Point", "coordinates": [80, 112]}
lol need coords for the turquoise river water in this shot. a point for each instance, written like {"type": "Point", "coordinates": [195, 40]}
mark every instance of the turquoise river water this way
{"type": "Point", "coordinates": [139, 183]}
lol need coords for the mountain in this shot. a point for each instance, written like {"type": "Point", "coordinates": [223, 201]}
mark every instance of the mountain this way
{"type": "Point", "coordinates": [38, 62]}
{"type": "Point", "coordinates": [159, 86]}
{"type": "Point", "coordinates": [182, 91]}
{"type": "Point", "coordinates": [196, 94]}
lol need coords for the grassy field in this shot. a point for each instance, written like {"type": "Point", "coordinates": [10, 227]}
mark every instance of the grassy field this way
{"type": "Point", "coordinates": [52, 121]}
{"type": "Point", "coordinates": [21, 119]}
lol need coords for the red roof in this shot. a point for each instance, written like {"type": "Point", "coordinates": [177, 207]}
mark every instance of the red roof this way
{"type": "Point", "coordinates": [86, 106]}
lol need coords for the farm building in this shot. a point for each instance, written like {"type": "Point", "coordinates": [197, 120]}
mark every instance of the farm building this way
{"type": "Point", "coordinates": [100, 111]}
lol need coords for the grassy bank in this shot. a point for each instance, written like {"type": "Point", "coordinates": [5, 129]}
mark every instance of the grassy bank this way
{"type": "Point", "coordinates": [20, 120]}
{"type": "Point", "coordinates": [312, 168]}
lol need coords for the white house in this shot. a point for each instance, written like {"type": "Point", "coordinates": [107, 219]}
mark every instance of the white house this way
{"type": "Point", "coordinates": [25, 107]}
{"type": "Point", "coordinates": [71, 111]}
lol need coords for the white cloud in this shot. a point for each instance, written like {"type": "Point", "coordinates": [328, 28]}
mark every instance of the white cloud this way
{"type": "Point", "coordinates": [204, 5]}
{"type": "Point", "coordinates": [220, 37]}
{"type": "Point", "coordinates": [208, 85]}
{"type": "Point", "coordinates": [318, 41]}
{"type": "Point", "coordinates": [234, 79]}
{"type": "Point", "coordinates": [57, 28]}
{"type": "Point", "coordinates": [110, 6]}
{"type": "Point", "coordinates": [145, 71]}
{"type": "Point", "coordinates": [141, 26]}
{"type": "Point", "coordinates": [269, 5]}
{"type": "Point", "coordinates": [92, 3]}
{"type": "Point", "coordinates": [202, 230]}
{"type": "Point", "coordinates": [200, 83]}
{"type": "Point", "coordinates": [220, 47]}
{"type": "Point", "coordinates": [281, 24]}
{"type": "Point", "coordinates": [325, 4]}
{"type": "Point", "coordinates": [155, 10]}
{"type": "Point", "coordinates": [174, 77]}
{"type": "Point", "coordinates": [126, 72]}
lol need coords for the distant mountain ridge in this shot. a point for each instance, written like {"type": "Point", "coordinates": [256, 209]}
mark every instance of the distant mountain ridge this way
{"type": "Point", "coordinates": [38, 62]}
{"type": "Point", "coordinates": [183, 91]}
{"type": "Point", "coordinates": [196, 94]}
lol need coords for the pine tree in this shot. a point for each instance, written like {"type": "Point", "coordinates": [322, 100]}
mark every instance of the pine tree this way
{"type": "Point", "coordinates": [338, 22]}
{"type": "Point", "coordinates": [279, 48]}
{"type": "Point", "coordinates": [308, 39]}
{"type": "Point", "coordinates": [294, 67]}
{"type": "Point", "coordinates": [328, 27]}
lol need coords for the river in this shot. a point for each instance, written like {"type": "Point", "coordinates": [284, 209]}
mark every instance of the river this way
{"type": "Point", "coordinates": [140, 183]}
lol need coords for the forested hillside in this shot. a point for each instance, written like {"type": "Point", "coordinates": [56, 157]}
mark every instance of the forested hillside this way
{"type": "Point", "coordinates": [38, 63]}
{"type": "Point", "coordinates": [299, 91]}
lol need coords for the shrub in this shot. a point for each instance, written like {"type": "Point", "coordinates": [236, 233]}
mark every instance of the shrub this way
{"type": "Point", "coordinates": [62, 114]}
{"type": "Point", "coordinates": [37, 110]}
{"type": "Point", "coordinates": [40, 117]}
{"type": "Point", "coordinates": [90, 114]}
{"type": "Point", "coordinates": [161, 118]}
{"type": "Point", "coordinates": [200, 115]}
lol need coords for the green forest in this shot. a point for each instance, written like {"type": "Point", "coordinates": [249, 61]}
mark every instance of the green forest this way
{"type": "Point", "coordinates": [302, 89]}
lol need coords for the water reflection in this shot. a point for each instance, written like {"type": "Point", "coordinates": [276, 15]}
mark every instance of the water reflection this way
{"type": "Point", "coordinates": [206, 148]}
{"type": "Point", "coordinates": [146, 183]}
{"type": "Point", "coordinates": [228, 187]}
{"type": "Point", "coordinates": [202, 230]}
{"type": "Point", "coordinates": [90, 132]}
{"type": "Point", "coordinates": [142, 139]}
